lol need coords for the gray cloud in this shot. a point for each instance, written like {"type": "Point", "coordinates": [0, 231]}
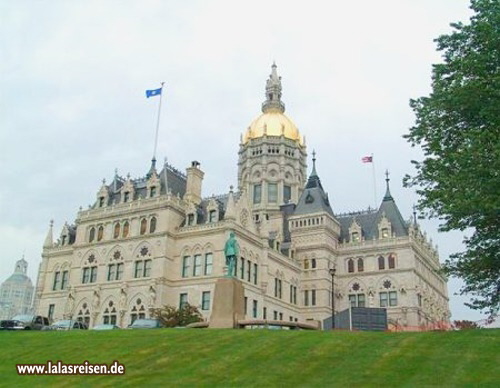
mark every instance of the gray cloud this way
{"type": "Point", "coordinates": [73, 106]}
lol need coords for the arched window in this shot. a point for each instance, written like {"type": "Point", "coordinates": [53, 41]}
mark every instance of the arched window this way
{"type": "Point", "coordinates": [144, 225]}
{"type": "Point", "coordinates": [313, 263]}
{"type": "Point", "coordinates": [152, 192]}
{"type": "Point", "coordinates": [116, 232]}
{"type": "Point", "coordinates": [360, 265]}
{"type": "Point", "coordinates": [350, 265]}
{"type": "Point", "coordinates": [100, 233]}
{"type": "Point", "coordinates": [126, 228]}
{"type": "Point", "coordinates": [381, 262]}
{"type": "Point", "coordinates": [392, 261]}
{"type": "Point", "coordinates": [83, 314]}
{"type": "Point", "coordinates": [91, 234]}
{"type": "Point", "coordinates": [152, 225]}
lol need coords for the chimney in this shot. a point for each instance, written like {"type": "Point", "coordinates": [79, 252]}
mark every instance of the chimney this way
{"type": "Point", "coordinates": [193, 183]}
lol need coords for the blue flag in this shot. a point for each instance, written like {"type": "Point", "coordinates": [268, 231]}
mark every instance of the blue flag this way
{"type": "Point", "coordinates": [152, 93]}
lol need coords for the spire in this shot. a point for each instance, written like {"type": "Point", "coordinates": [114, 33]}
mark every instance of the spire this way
{"type": "Point", "coordinates": [313, 180]}
{"type": "Point", "coordinates": [49, 241]}
{"type": "Point", "coordinates": [273, 92]}
{"type": "Point", "coordinates": [387, 196]}
{"type": "Point", "coordinates": [152, 170]}
{"type": "Point", "coordinates": [313, 172]}
{"type": "Point", "coordinates": [414, 215]}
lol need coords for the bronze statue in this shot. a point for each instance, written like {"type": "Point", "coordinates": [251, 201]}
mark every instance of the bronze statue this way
{"type": "Point", "coordinates": [231, 251]}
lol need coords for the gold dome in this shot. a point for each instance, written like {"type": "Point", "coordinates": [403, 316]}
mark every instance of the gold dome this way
{"type": "Point", "coordinates": [272, 123]}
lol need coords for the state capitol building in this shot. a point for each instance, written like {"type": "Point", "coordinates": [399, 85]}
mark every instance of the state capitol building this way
{"type": "Point", "coordinates": [157, 241]}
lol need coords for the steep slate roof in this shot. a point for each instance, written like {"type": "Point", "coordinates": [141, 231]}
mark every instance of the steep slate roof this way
{"type": "Point", "coordinates": [313, 198]}
{"type": "Point", "coordinates": [369, 219]}
{"type": "Point", "coordinates": [170, 179]}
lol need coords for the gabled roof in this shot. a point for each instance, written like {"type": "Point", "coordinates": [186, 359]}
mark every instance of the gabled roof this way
{"type": "Point", "coordinates": [170, 178]}
{"type": "Point", "coordinates": [369, 219]}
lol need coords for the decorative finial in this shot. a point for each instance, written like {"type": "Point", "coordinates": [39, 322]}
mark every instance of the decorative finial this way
{"type": "Point", "coordinates": [103, 181]}
{"type": "Point", "coordinates": [313, 172]}
{"type": "Point", "coordinates": [414, 214]}
{"type": "Point", "coordinates": [128, 176]}
{"type": "Point", "coordinates": [231, 188]}
{"type": "Point", "coordinates": [116, 171]}
{"type": "Point", "coordinates": [51, 223]}
{"type": "Point", "coordinates": [388, 196]}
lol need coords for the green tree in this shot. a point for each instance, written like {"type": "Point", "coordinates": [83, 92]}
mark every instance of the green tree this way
{"type": "Point", "coordinates": [458, 128]}
{"type": "Point", "coordinates": [173, 317]}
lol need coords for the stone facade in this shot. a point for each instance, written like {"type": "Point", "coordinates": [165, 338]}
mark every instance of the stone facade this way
{"type": "Point", "coordinates": [154, 241]}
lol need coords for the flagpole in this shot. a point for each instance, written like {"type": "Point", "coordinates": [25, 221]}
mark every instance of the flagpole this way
{"type": "Point", "coordinates": [374, 182]}
{"type": "Point", "coordinates": [158, 123]}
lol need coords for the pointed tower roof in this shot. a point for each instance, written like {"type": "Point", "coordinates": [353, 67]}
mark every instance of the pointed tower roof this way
{"type": "Point", "coordinates": [49, 240]}
{"type": "Point", "coordinates": [387, 196]}
{"type": "Point", "coordinates": [313, 198]}
{"type": "Point", "coordinates": [391, 211]}
{"type": "Point", "coordinates": [313, 180]}
{"type": "Point", "coordinates": [152, 170]}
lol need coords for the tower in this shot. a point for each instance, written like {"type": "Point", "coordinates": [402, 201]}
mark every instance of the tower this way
{"type": "Point", "coordinates": [272, 155]}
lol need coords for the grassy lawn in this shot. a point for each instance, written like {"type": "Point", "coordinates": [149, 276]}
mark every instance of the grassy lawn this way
{"type": "Point", "coordinates": [260, 358]}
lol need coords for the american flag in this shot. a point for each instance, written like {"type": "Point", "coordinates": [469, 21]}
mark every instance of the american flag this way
{"type": "Point", "coordinates": [367, 159]}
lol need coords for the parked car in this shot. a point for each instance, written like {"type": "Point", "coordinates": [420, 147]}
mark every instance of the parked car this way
{"type": "Point", "coordinates": [25, 322]}
{"type": "Point", "coordinates": [146, 324]}
{"type": "Point", "coordinates": [105, 326]}
{"type": "Point", "coordinates": [67, 324]}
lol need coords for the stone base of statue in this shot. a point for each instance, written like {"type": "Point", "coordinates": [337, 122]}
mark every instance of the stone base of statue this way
{"type": "Point", "coordinates": [229, 304]}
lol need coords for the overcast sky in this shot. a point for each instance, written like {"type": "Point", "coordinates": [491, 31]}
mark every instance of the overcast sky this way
{"type": "Point", "coordinates": [73, 76]}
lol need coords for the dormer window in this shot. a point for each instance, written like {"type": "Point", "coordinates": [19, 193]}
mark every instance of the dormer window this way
{"type": "Point", "coordinates": [385, 232]}
{"type": "Point", "coordinates": [126, 196]}
{"type": "Point", "coordinates": [101, 201]}
{"type": "Point", "coordinates": [355, 237]}
{"type": "Point", "coordinates": [190, 219]}
{"type": "Point", "coordinates": [152, 192]}
{"type": "Point", "coordinates": [212, 215]}
{"type": "Point", "coordinates": [63, 240]}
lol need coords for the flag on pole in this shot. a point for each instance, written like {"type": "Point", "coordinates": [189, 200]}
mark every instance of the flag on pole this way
{"type": "Point", "coordinates": [152, 93]}
{"type": "Point", "coordinates": [367, 159]}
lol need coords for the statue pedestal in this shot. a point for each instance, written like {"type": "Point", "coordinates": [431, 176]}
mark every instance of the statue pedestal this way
{"type": "Point", "coordinates": [228, 305]}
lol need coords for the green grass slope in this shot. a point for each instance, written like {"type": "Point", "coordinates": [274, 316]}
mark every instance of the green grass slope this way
{"type": "Point", "coordinates": [259, 358]}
